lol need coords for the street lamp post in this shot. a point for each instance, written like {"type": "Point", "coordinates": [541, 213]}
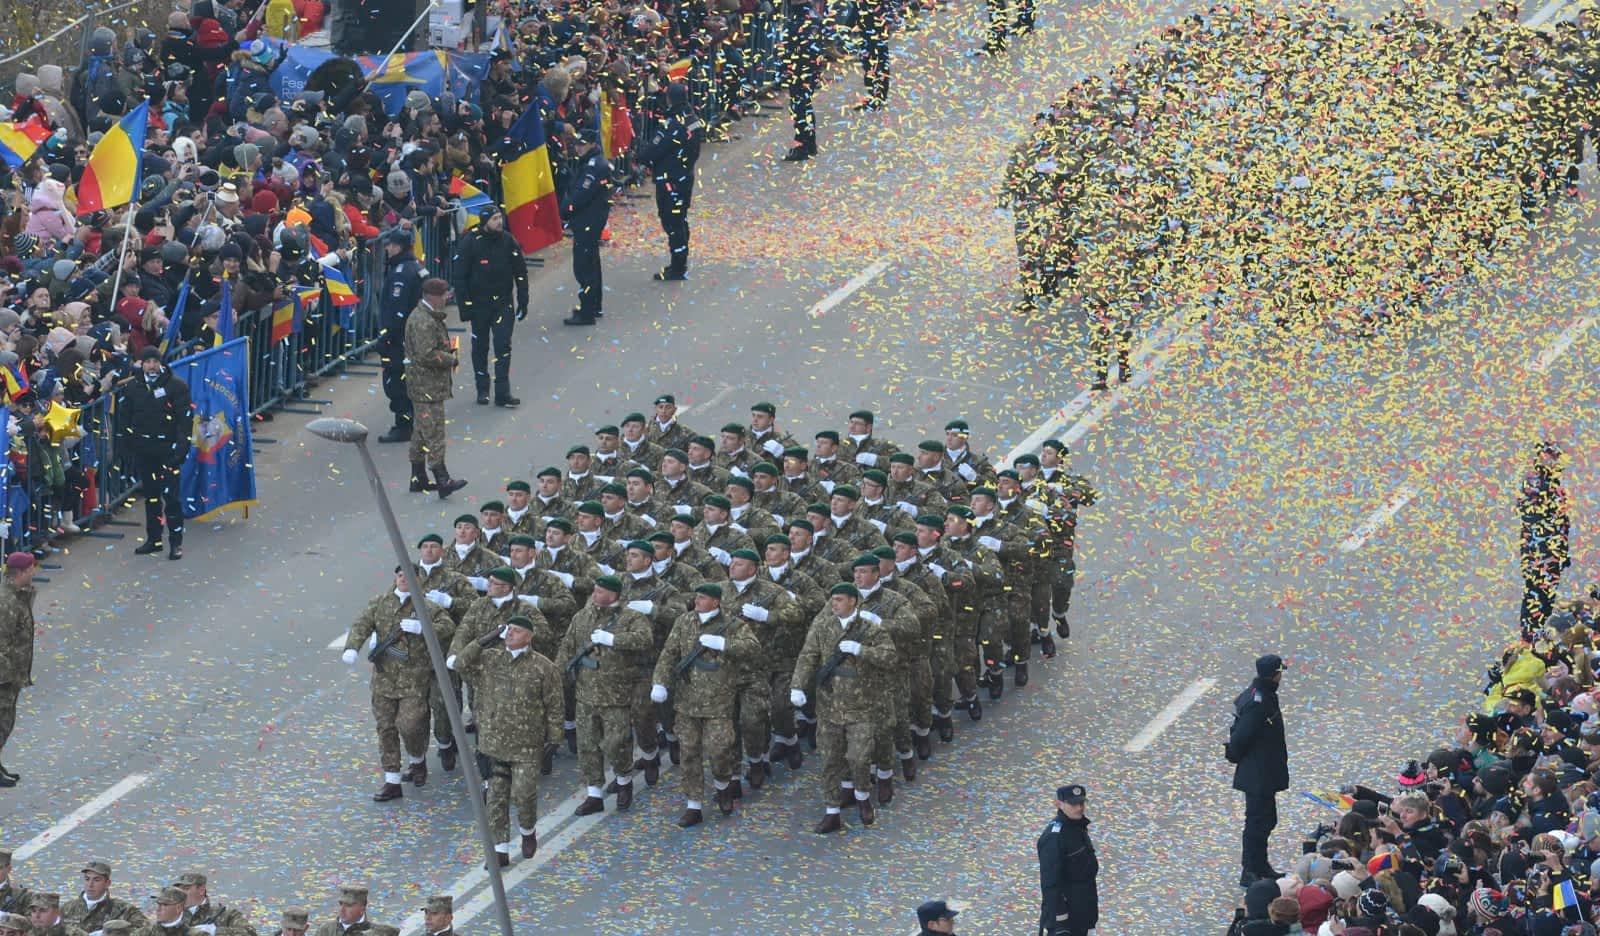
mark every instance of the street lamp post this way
{"type": "Point", "coordinates": [348, 430]}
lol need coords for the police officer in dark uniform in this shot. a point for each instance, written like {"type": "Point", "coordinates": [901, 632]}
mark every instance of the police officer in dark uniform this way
{"type": "Point", "coordinates": [935, 917]}
{"type": "Point", "coordinates": [1067, 869]}
{"type": "Point", "coordinates": [488, 266]}
{"type": "Point", "coordinates": [159, 422]}
{"type": "Point", "coordinates": [671, 153]}
{"type": "Point", "coordinates": [1257, 747]}
{"type": "Point", "coordinates": [802, 61]}
{"type": "Point", "coordinates": [402, 290]}
{"type": "Point", "coordinates": [873, 18]}
{"type": "Point", "coordinates": [587, 207]}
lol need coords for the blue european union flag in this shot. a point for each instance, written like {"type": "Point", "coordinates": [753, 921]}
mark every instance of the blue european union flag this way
{"type": "Point", "coordinates": [220, 471]}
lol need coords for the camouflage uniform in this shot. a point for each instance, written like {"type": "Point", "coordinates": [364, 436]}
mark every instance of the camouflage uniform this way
{"type": "Point", "coordinates": [931, 676]}
{"type": "Point", "coordinates": [977, 596]}
{"type": "Point", "coordinates": [703, 696]}
{"type": "Point", "coordinates": [77, 913]}
{"type": "Point", "coordinates": [892, 728]}
{"type": "Point", "coordinates": [607, 681]}
{"type": "Point", "coordinates": [1067, 493]}
{"type": "Point", "coordinates": [847, 703]}
{"type": "Point", "coordinates": [916, 493]}
{"type": "Point", "coordinates": [518, 699]}
{"type": "Point", "coordinates": [914, 705]}
{"type": "Point", "coordinates": [810, 599]}
{"type": "Point", "coordinates": [16, 651]}
{"type": "Point", "coordinates": [14, 898]}
{"type": "Point", "coordinates": [460, 593]}
{"type": "Point", "coordinates": [399, 687]}
{"type": "Point", "coordinates": [1016, 608]}
{"type": "Point", "coordinates": [475, 563]}
{"type": "Point", "coordinates": [573, 562]}
{"type": "Point", "coordinates": [227, 920]}
{"type": "Point", "coordinates": [666, 603]}
{"type": "Point", "coordinates": [545, 593]}
{"type": "Point", "coordinates": [766, 681]}
{"type": "Point", "coordinates": [430, 374]}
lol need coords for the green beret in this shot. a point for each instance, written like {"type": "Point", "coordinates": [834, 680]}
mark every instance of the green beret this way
{"type": "Point", "coordinates": [523, 539]}
{"type": "Point", "coordinates": [745, 483]}
{"type": "Point", "coordinates": [796, 452]}
{"type": "Point", "coordinates": [718, 500]}
{"type": "Point", "coordinates": [504, 573]}
{"type": "Point", "coordinates": [749, 554]}
{"type": "Point", "coordinates": [845, 588]}
{"type": "Point", "coordinates": [522, 621]}
{"type": "Point", "coordinates": [592, 508]}
{"type": "Point", "coordinates": [666, 398]}
{"type": "Point", "coordinates": [676, 453]}
{"type": "Point", "coordinates": [614, 489]}
{"type": "Point", "coordinates": [524, 486]}
{"type": "Point", "coordinates": [875, 476]}
{"type": "Point", "coordinates": [957, 425]}
{"type": "Point", "coordinates": [884, 552]}
{"type": "Point", "coordinates": [467, 518]}
{"type": "Point", "coordinates": [830, 434]}
{"type": "Point", "coordinates": [642, 474]}
{"type": "Point", "coordinates": [1056, 444]}
{"type": "Point", "coordinates": [641, 545]}
{"type": "Point", "coordinates": [705, 442]}
{"type": "Point", "coordinates": [633, 417]}
{"type": "Point", "coordinates": [688, 520]}
{"type": "Point", "coordinates": [764, 407]}
{"type": "Point", "coordinates": [1029, 459]}
{"type": "Point", "coordinates": [959, 510]}
{"type": "Point", "coordinates": [933, 521]}
{"type": "Point", "coordinates": [776, 539]}
{"type": "Point", "coordinates": [910, 539]}
{"type": "Point", "coordinates": [430, 538]}
{"type": "Point", "coordinates": [863, 561]}
{"type": "Point", "coordinates": [902, 458]}
{"type": "Point", "coordinates": [605, 430]}
{"type": "Point", "coordinates": [609, 582]}
{"type": "Point", "coordinates": [820, 510]}
{"type": "Point", "coordinates": [766, 468]}
{"type": "Point", "coordinates": [660, 536]}
{"type": "Point", "coordinates": [580, 449]}
{"type": "Point", "coordinates": [562, 524]}
{"type": "Point", "coordinates": [1009, 473]}
{"type": "Point", "coordinates": [929, 445]}
{"type": "Point", "coordinates": [709, 589]}
{"type": "Point", "coordinates": [734, 428]}
{"type": "Point", "coordinates": [496, 506]}
{"type": "Point", "coordinates": [548, 472]}
{"type": "Point", "coordinates": [985, 491]}
{"type": "Point", "coordinates": [846, 490]}
{"type": "Point", "coordinates": [865, 415]}
{"type": "Point", "coordinates": [802, 523]}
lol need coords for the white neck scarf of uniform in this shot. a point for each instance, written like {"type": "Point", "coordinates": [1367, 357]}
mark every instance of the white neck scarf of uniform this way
{"type": "Point", "coordinates": [839, 521]}
{"type": "Point", "coordinates": [869, 592]}
{"type": "Point", "coordinates": [872, 503]}
{"type": "Point", "coordinates": [664, 426]}
{"type": "Point", "coordinates": [91, 904]}
{"type": "Point", "coordinates": [517, 652]}
{"type": "Point", "coordinates": [614, 516]}
{"type": "Point", "coordinates": [777, 571]}
{"type": "Point", "coordinates": [738, 510]}
{"type": "Point", "coordinates": [906, 564]}
{"type": "Point", "coordinates": [712, 528]}
{"type": "Point", "coordinates": [545, 500]}
{"type": "Point", "coordinates": [706, 616]}
{"type": "Point", "coordinates": [517, 515]}
{"type": "Point", "coordinates": [858, 439]}
{"type": "Point", "coordinates": [700, 467]}
{"type": "Point", "coordinates": [845, 622]}
{"type": "Point", "coordinates": [633, 446]}
{"type": "Point", "coordinates": [554, 551]}
{"type": "Point", "coordinates": [523, 571]}
{"type": "Point", "coordinates": [641, 576]}
{"type": "Point", "coordinates": [402, 595]}
{"type": "Point", "coordinates": [428, 569]}
{"type": "Point", "coordinates": [1006, 502]}
{"type": "Point", "coordinates": [577, 475]}
{"type": "Point", "coordinates": [955, 454]}
{"type": "Point", "coordinates": [797, 557]}
{"type": "Point", "coordinates": [661, 565]}
{"type": "Point", "coordinates": [924, 550]}
{"type": "Point", "coordinates": [589, 536]}
{"type": "Point", "coordinates": [501, 601]}
{"type": "Point", "coordinates": [678, 548]}
{"type": "Point", "coordinates": [825, 459]}
{"type": "Point", "coordinates": [489, 533]}
{"type": "Point", "coordinates": [462, 550]}
{"type": "Point", "coordinates": [742, 585]}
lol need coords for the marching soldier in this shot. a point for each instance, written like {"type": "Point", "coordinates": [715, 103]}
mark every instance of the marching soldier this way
{"type": "Point", "coordinates": [430, 373]}
{"type": "Point", "coordinates": [689, 552]}
{"type": "Point", "coordinates": [978, 605]}
{"type": "Point", "coordinates": [467, 554]}
{"type": "Point", "coordinates": [765, 436]}
{"type": "Point", "coordinates": [742, 513]}
{"type": "Point", "coordinates": [944, 659]}
{"type": "Point", "coordinates": [14, 898]}
{"type": "Point", "coordinates": [861, 447]}
{"type": "Point", "coordinates": [517, 697]}
{"type": "Point", "coordinates": [46, 917]}
{"type": "Point", "coordinates": [674, 490]}
{"type": "Point", "coordinates": [718, 536]}
{"type": "Point", "coordinates": [14, 924]}
{"type": "Point", "coordinates": [910, 494]}
{"type": "Point", "coordinates": [439, 916]}
{"type": "Point", "coordinates": [679, 575]}
{"type": "Point", "coordinates": [401, 675]}
{"type": "Point", "coordinates": [551, 501]}
{"type": "Point", "coordinates": [769, 496]}
{"type": "Point", "coordinates": [810, 599]}
{"type": "Point", "coordinates": [492, 526]}
{"type": "Point", "coordinates": [666, 432]}
{"type": "Point", "coordinates": [546, 593]}
{"type": "Point", "coordinates": [169, 913]}
{"type": "Point", "coordinates": [640, 501]}
{"type": "Point", "coordinates": [1011, 544]}
{"type": "Point", "coordinates": [1013, 508]}
{"type": "Point", "coordinates": [17, 634]}
{"type": "Point", "coordinates": [569, 565]}
{"type": "Point", "coordinates": [847, 525]}
{"type": "Point", "coordinates": [703, 467]}
{"type": "Point", "coordinates": [602, 650]}
{"type": "Point", "coordinates": [449, 590]}
{"type": "Point", "coordinates": [1069, 492]}
{"type": "Point", "coordinates": [732, 456]}
{"type": "Point", "coordinates": [775, 620]}
{"type": "Point", "coordinates": [637, 447]}
{"type": "Point", "coordinates": [828, 470]}
{"type": "Point", "coordinates": [898, 619]}
{"type": "Point", "coordinates": [803, 51]}
{"type": "Point", "coordinates": [94, 907]}
{"type": "Point", "coordinates": [490, 612]}
{"type": "Point", "coordinates": [926, 711]}
{"type": "Point", "coordinates": [951, 487]}
{"type": "Point", "coordinates": [702, 662]}
{"type": "Point", "coordinates": [797, 479]}
{"type": "Point", "coordinates": [520, 515]}
{"type": "Point", "coordinates": [621, 524]}
{"type": "Point", "coordinates": [875, 507]}
{"type": "Point", "coordinates": [582, 483]}
{"type": "Point", "coordinates": [958, 457]}
{"type": "Point", "coordinates": [294, 922]}
{"type": "Point", "coordinates": [352, 919]}
{"type": "Point", "coordinates": [913, 715]}
{"type": "Point", "coordinates": [842, 662]}
{"type": "Point", "coordinates": [592, 539]}
{"type": "Point", "coordinates": [606, 461]}
{"type": "Point", "coordinates": [200, 913]}
{"type": "Point", "coordinates": [646, 593]}
{"type": "Point", "coordinates": [802, 539]}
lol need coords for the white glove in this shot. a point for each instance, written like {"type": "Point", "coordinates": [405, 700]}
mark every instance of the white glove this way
{"type": "Point", "coordinates": [851, 647]}
{"type": "Point", "coordinates": [797, 698]}
{"type": "Point", "coordinates": [478, 582]}
{"type": "Point", "coordinates": [529, 599]}
{"type": "Point", "coordinates": [682, 510]}
{"type": "Point", "coordinates": [967, 471]}
{"type": "Point", "coordinates": [989, 543]}
{"type": "Point", "coordinates": [411, 625]}
{"type": "Point", "coordinates": [773, 447]}
{"type": "Point", "coordinates": [450, 662]}
{"type": "Point", "coordinates": [605, 569]}
{"type": "Point", "coordinates": [658, 693]}
{"type": "Point", "coordinates": [713, 642]}
{"type": "Point", "coordinates": [649, 521]}
{"type": "Point", "coordinates": [938, 569]}
{"type": "Point", "coordinates": [871, 617]}
{"type": "Point", "coordinates": [643, 607]}
{"type": "Point", "coordinates": [720, 554]}
{"type": "Point", "coordinates": [907, 507]}
{"type": "Point", "coordinates": [826, 486]}
{"type": "Point", "coordinates": [754, 612]}
{"type": "Point", "coordinates": [882, 527]}
{"type": "Point", "coordinates": [778, 519]}
{"type": "Point", "coordinates": [437, 597]}
{"type": "Point", "coordinates": [738, 526]}
{"type": "Point", "coordinates": [866, 458]}
{"type": "Point", "coordinates": [601, 637]}
{"type": "Point", "coordinates": [564, 577]}
{"type": "Point", "coordinates": [349, 657]}
{"type": "Point", "coordinates": [738, 472]}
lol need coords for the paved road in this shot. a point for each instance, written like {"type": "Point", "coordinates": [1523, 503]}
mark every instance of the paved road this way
{"type": "Point", "coordinates": [1236, 472]}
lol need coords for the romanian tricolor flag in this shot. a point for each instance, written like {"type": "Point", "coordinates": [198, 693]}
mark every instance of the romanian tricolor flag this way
{"type": "Point", "coordinates": [474, 201]}
{"type": "Point", "coordinates": [533, 214]}
{"type": "Point", "coordinates": [1381, 862]}
{"type": "Point", "coordinates": [19, 141]}
{"type": "Point", "coordinates": [679, 70]}
{"type": "Point", "coordinates": [15, 380]}
{"type": "Point", "coordinates": [282, 320]}
{"type": "Point", "coordinates": [1565, 895]}
{"type": "Point", "coordinates": [616, 125]}
{"type": "Point", "coordinates": [111, 177]}
{"type": "Point", "coordinates": [340, 292]}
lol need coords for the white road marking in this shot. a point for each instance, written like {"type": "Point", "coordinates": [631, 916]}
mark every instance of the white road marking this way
{"type": "Point", "coordinates": [713, 400]}
{"type": "Point", "coordinates": [338, 641]}
{"type": "Point", "coordinates": [523, 870]}
{"type": "Point", "coordinates": [1563, 341]}
{"type": "Point", "coordinates": [79, 816]}
{"type": "Point", "coordinates": [1402, 495]}
{"type": "Point", "coordinates": [844, 292]}
{"type": "Point", "coordinates": [1164, 719]}
{"type": "Point", "coordinates": [1546, 13]}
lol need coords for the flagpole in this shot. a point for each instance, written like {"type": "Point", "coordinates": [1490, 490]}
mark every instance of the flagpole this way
{"type": "Point", "coordinates": [384, 63]}
{"type": "Point", "coordinates": [122, 253]}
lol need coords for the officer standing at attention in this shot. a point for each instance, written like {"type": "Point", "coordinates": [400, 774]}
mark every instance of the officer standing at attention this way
{"type": "Point", "coordinates": [491, 283]}
{"type": "Point", "coordinates": [671, 153]}
{"type": "Point", "coordinates": [430, 376]}
{"type": "Point", "coordinates": [159, 422]}
{"type": "Point", "coordinates": [802, 62]}
{"type": "Point", "coordinates": [402, 290]}
{"type": "Point", "coordinates": [587, 208]}
{"type": "Point", "coordinates": [1256, 745]}
{"type": "Point", "coordinates": [1067, 869]}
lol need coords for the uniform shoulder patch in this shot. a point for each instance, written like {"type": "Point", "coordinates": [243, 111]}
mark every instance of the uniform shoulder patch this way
{"type": "Point", "coordinates": [1055, 825]}
{"type": "Point", "coordinates": [1255, 695]}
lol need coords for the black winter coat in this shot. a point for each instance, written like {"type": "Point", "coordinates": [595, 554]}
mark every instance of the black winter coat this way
{"type": "Point", "coordinates": [490, 275]}
{"type": "Point", "coordinates": [1256, 743]}
{"type": "Point", "coordinates": [159, 421]}
{"type": "Point", "coordinates": [1067, 871]}
{"type": "Point", "coordinates": [402, 290]}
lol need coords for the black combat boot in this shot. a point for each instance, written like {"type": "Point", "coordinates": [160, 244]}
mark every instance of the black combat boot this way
{"type": "Point", "coordinates": [419, 478]}
{"type": "Point", "coordinates": [443, 483]}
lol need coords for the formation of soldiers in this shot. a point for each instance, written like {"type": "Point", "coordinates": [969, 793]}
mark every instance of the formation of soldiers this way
{"type": "Point", "coordinates": [1300, 162]}
{"type": "Point", "coordinates": [736, 602]}
{"type": "Point", "coordinates": [182, 908]}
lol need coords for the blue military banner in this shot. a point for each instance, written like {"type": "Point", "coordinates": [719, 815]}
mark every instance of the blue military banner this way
{"type": "Point", "coordinates": [220, 471]}
{"type": "Point", "coordinates": [433, 72]}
